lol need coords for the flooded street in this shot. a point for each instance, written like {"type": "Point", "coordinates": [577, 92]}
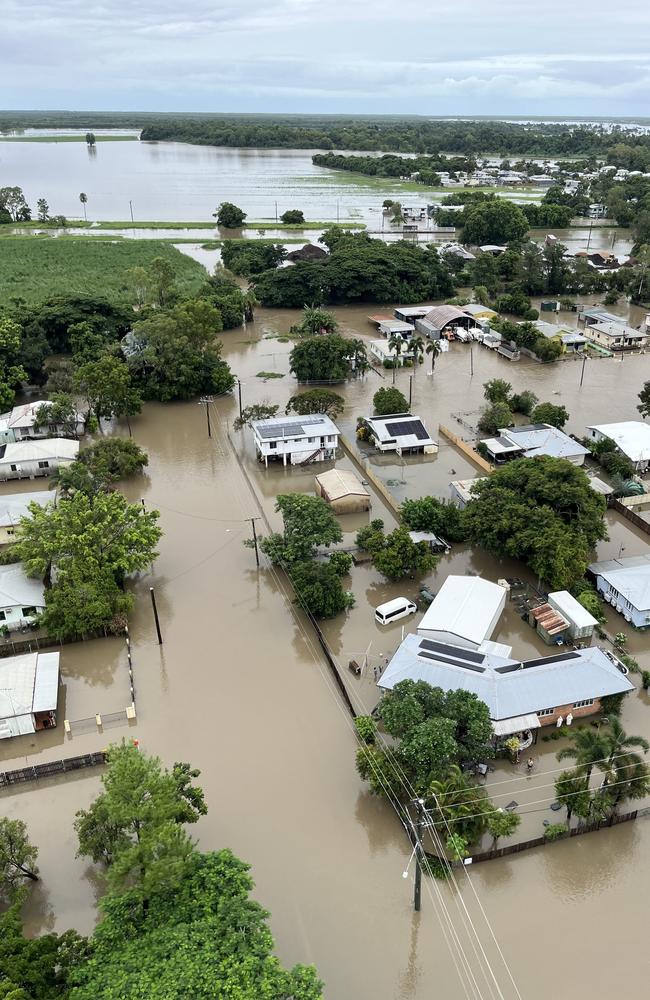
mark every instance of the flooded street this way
{"type": "Point", "coordinates": [240, 690]}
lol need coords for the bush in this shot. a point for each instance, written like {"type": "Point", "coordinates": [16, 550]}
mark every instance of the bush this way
{"type": "Point", "coordinates": [495, 416]}
{"type": "Point", "coordinates": [645, 679]}
{"type": "Point", "coordinates": [341, 563]}
{"type": "Point", "coordinates": [389, 401]}
{"type": "Point", "coordinates": [439, 516]}
{"type": "Point", "coordinates": [114, 458]}
{"type": "Point", "coordinates": [318, 589]}
{"type": "Point", "coordinates": [555, 831]}
{"type": "Point", "coordinates": [292, 217]}
{"type": "Point", "coordinates": [366, 728]}
{"type": "Point", "coordinates": [523, 402]}
{"type": "Point", "coordinates": [229, 216]}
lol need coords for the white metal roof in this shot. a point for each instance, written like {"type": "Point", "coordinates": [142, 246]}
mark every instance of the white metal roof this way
{"type": "Point", "coordinates": [463, 487]}
{"type": "Point", "coordinates": [14, 506]}
{"type": "Point", "coordinates": [543, 439]}
{"type": "Point", "coordinates": [43, 450]}
{"type": "Point", "coordinates": [632, 437]}
{"type": "Point", "coordinates": [404, 428]}
{"type": "Point", "coordinates": [572, 610]}
{"type": "Point", "coordinates": [16, 588]}
{"type": "Point", "coordinates": [631, 577]}
{"type": "Point", "coordinates": [465, 606]}
{"type": "Point", "coordinates": [28, 683]}
{"type": "Point", "coordinates": [506, 727]}
{"type": "Point", "coordinates": [338, 483]}
{"type": "Point", "coordinates": [294, 426]}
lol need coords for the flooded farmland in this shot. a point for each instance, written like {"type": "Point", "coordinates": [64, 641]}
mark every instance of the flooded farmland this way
{"type": "Point", "coordinates": [240, 689]}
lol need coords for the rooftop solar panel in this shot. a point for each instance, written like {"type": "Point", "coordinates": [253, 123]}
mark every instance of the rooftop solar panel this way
{"type": "Point", "coordinates": [447, 650]}
{"type": "Point", "coordinates": [439, 658]}
{"type": "Point", "coordinates": [404, 427]}
{"type": "Point", "coordinates": [549, 659]}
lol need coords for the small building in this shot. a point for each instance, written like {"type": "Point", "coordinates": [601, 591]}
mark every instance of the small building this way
{"type": "Point", "coordinates": [434, 542]}
{"type": "Point", "coordinates": [15, 506]}
{"type": "Point", "coordinates": [21, 597]}
{"type": "Point", "coordinates": [296, 440]}
{"type": "Point", "coordinates": [396, 328]}
{"type": "Point", "coordinates": [617, 336]}
{"type": "Point", "coordinates": [409, 314]}
{"type": "Point", "coordinates": [400, 432]}
{"type": "Point", "coordinates": [581, 623]}
{"type": "Point", "coordinates": [631, 437]}
{"type": "Point", "coordinates": [570, 339]}
{"type": "Point", "coordinates": [479, 312]}
{"type": "Point", "coordinates": [549, 623]}
{"type": "Point", "coordinates": [597, 315]}
{"type": "Point", "coordinates": [441, 321]}
{"type": "Point", "coordinates": [521, 696]}
{"type": "Point", "coordinates": [389, 356]}
{"type": "Point", "coordinates": [465, 611]}
{"type": "Point", "coordinates": [343, 491]}
{"type": "Point", "coordinates": [461, 491]}
{"type": "Point", "coordinates": [28, 459]}
{"type": "Point", "coordinates": [625, 584]}
{"type": "Point", "coordinates": [29, 692]}
{"type": "Point", "coordinates": [19, 423]}
{"type": "Point", "coordinates": [531, 440]}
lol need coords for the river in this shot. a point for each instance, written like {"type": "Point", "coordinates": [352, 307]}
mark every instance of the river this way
{"type": "Point", "coordinates": [240, 690]}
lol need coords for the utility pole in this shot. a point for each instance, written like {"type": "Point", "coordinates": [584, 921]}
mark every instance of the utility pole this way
{"type": "Point", "coordinates": [582, 373]}
{"type": "Point", "coordinates": [257, 555]}
{"type": "Point", "coordinates": [419, 827]}
{"type": "Point", "coordinates": [471, 360]}
{"type": "Point", "coordinates": [410, 390]}
{"type": "Point", "coordinates": [205, 401]}
{"type": "Point", "coordinates": [276, 211]}
{"type": "Point", "coordinates": [131, 209]}
{"type": "Point", "coordinates": [155, 615]}
{"type": "Point", "coordinates": [239, 392]}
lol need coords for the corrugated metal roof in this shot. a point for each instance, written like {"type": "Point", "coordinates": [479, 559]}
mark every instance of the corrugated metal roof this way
{"type": "Point", "coordinates": [46, 683]}
{"type": "Point", "coordinates": [550, 620]}
{"type": "Point", "coordinates": [16, 588]}
{"type": "Point", "coordinates": [14, 506]}
{"type": "Point", "coordinates": [525, 688]}
{"type": "Point", "coordinates": [338, 483]}
{"type": "Point", "coordinates": [439, 316]}
{"type": "Point", "coordinates": [465, 606]}
{"type": "Point", "coordinates": [630, 577]}
{"type": "Point", "coordinates": [632, 437]}
{"type": "Point", "coordinates": [17, 674]}
{"type": "Point", "coordinates": [42, 450]}
{"type": "Point", "coordinates": [572, 610]}
{"type": "Point", "coordinates": [543, 439]}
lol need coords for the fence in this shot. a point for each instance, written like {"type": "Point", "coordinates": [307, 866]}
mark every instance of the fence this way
{"type": "Point", "coordinates": [526, 845]}
{"type": "Point", "coordinates": [53, 767]}
{"type": "Point", "coordinates": [632, 516]}
{"type": "Point", "coordinates": [364, 467]}
{"type": "Point", "coordinates": [466, 449]}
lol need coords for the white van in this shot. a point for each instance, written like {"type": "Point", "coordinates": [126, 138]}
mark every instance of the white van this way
{"type": "Point", "coordinates": [392, 611]}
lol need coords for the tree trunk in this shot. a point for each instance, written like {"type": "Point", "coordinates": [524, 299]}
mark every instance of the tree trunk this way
{"type": "Point", "coordinates": [25, 871]}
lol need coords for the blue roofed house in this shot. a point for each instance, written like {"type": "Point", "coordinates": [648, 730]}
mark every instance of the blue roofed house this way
{"type": "Point", "coordinates": [531, 440]}
{"type": "Point", "coordinates": [625, 584]}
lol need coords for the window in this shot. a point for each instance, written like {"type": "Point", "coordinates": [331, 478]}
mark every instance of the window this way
{"type": "Point", "coordinates": [14, 468]}
{"type": "Point", "coordinates": [273, 444]}
{"type": "Point", "coordinates": [545, 711]}
{"type": "Point", "coordinates": [584, 703]}
{"type": "Point", "coordinates": [29, 612]}
{"type": "Point", "coordinates": [43, 465]}
{"type": "Point", "coordinates": [3, 615]}
{"type": "Point", "coordinates": [10, 531]}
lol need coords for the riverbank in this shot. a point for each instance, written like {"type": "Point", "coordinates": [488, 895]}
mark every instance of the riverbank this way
{"type": "Point", "coordinates": [67, 138]}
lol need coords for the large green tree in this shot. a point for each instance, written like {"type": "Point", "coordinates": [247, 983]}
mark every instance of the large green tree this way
{"type": "Point", "coordinates": [495, 221]}
{"type": "Point", "coordinates": [316, 401]}
{"type": "Point", "coordinates": [389, 400]}
{"type": "Point", "coordinates": [106, 387]}
{"type": "Point", "coordinates": [439, 516]}
{"type": "Point", "coordinates": [318, 588]}
{"type": "Point", "coordinates": [308, 523]}
{"type": "Point", "coordinates": [400, 557]}
{"type": "Point", "coordinates": [324, 359]}
{"type": "Point", "coordinates": [17, 858]}
{"type": "Point", "coordinates": [229, 216]}
{"type": "Point", "coordinates": [36, 968]}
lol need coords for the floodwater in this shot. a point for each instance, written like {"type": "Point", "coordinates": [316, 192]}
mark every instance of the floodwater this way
{"type": "Point", "coordinates": [239, 688]}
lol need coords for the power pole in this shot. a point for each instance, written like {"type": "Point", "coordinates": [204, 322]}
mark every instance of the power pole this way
{"type": "Point", "coordinates": [205, 401]}
{"type": "Point", "coordinates": [582, 373]}
{"type": "Point", "coordinates": [131, 208]}
{"type": "Point", "coordinates": [239, 392]}
{"type": "Point", "coordinates": [257, 555]}
{"type": "Point", "coordinates": [419, 827]}
{"type": "Point", "coordinates": [410, 390]}
{"type": "Point", "coordinates": [155, 615]}
{"type": "Point", "coordinates": [471, 360]}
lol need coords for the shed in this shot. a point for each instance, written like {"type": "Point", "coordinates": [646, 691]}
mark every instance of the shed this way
{"type": "Point", "coordinates": [465, 611]}
{"type": "Point", "coordinates": [581, 623]}
{"type": "Point", "coordinates": [435, 543]}
{"type": "Point", "coordinates": [343, 491]}
{"type": "Point", "coordinates": [549, 623]}
{"type": "Point", "coordinates": [29, 690]}
{"type": "Point", "coordinates": [438, 319]}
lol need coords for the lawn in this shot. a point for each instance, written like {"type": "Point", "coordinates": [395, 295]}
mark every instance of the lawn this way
{"type": "Point", "coordinates": [35, 269]}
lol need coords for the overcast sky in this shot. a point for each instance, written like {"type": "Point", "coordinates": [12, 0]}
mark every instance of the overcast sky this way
{"type": "Point", "coordinates": [444, 57]}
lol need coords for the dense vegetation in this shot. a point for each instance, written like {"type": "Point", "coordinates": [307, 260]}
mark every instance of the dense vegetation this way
{"type": "Point", "coordinates": [33, 270]}
{"type": "Point", "coordinates": [174, 921]}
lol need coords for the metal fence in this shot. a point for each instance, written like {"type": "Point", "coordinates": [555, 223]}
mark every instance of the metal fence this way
{"type": "Point", "coordinates": [52, 767]}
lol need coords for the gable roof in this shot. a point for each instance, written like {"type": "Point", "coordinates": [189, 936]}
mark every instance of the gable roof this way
{"type": "Point", "coordinates": [465, 606]}
{"type": "Point", "coordinates": [17, 589]}
{"type": "Point", "coordinates": [338, 483]}
{"type": "Point", "coordinates": [543, 439]}
{"type": "Point", "coordinates": [28, 683]}
{"type": "Point", "coordinates": [15, 505]}
{"type": "Point", "coordinates": [632, 437]}
{"type": "Point", "coordinates": [42, 450]}
{"type": "Point", "coordinates": [630, 576]}
{"type": "Point", "coordinates": [405, 428]}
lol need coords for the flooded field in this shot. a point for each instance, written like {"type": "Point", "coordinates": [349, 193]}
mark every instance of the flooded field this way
{"type": "Point", "coordinates": [239, 688]}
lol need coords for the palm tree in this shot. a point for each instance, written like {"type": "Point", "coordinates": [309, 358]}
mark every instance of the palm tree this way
{"type": "Point", "coordinates": [433, 348]}
{"type": "Point", "coordinates": [460, 805]}
{"type": "Point", "coordinates": [572, 790]}
{"type": "Point", "coordinates": [588, 747]}
{"type": "Point", "coordinates": [618, 742]}
{"type": "Point", "coordinates": [316, 321]}
{"type": "Point", "coordinates": [83, 198]}
{"type": "Point", "coordinates": [630, 779]}
{"type": "Point", "coordinates": [416, 344]}
{"type": "Point", "coordinates": [395, 345]}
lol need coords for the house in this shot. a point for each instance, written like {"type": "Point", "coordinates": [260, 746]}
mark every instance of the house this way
{"type": "Point", "coordinates": [597, 315]}
{"type": "Point", "coordinates": [521, 696]}
{"type": "Point", "coordinates": [464, 612]}
{"type": "Point", "coordinates": [400, 432]}
{"type": "Point", "coordinates": [15, 506]}
{"type": "Point", "coordinates": [441, 321]}
{"type": "Point", "coordinates": [343, 491]}
{"type": "Point", "coordinates": [597, 210]}
{"type": "Point", "coordinates": [388, 356]}
{"type": "Point", "coordinates": [569, 338]}
{"type": "Point", "coordinates": [19, 423]}
{"type": "Point", "coordinates": [409, 314]}
{"type": "Point", "coordinates": [531, 440]}
{"type": "Point", "coordinates": [28, 459]}
{"type": "Point", "coordinates": [631, 437]}
{"type": "Point", "coordinates": [625, 584]}
{"type": "Point", "coordinates": [21, 597]}
{"type": "Point", "coordinates": [29, 691]}
{"type": "Point", "coordinates": [461, 491]}
{"type": "Point", "coordinates": [581, 623]}
{"type": "Point", "coordinates": [481, 314]}
{"type": "Point", "coordinates": [295, 440]}
{"type": "Point", "coordinates": [456, 250]}
{"type": "Point", "coordinates": [617, 336]}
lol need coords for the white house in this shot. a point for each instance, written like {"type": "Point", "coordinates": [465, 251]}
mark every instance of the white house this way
{"type": "Point", "coordinates": [617, 336]}
{"type": "Point", "coordinates": [396, 328]}
{"type": "Point", "coordinates": [380, 350]}
{"type": "Point", "coordinates": [15, 506]}
{"type": "Point", "coordinates": [400, 432]}
{"type": "Point", "coordinates": [27, 459]}
{"type": "Point", "coordinates": [531, 440]}
{"type": "Point", "coordinates": [21, 597]}
{"type": "Point", "coordinates": [631, 437]}
{"type": "Point", "coordinates": [19, 423]}
{"type": "Point", "coordinates": [296, 440]}
{"type": "Point", "coordinates": [29, 691]}
{"type": "Point", "coordinates": [625, 584]}
{"type": "Point", "coordinates": [464, 612]}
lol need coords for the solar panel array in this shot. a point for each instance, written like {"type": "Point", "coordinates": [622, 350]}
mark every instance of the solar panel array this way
{"type": "Point", "coordinates": [404, 427]}
{"type": "Point", "coordinates": [549, 659]}
{"type": "Point", "coordinates": [286, 430]}
{"type": "Point", "coordinates": [443, 653]}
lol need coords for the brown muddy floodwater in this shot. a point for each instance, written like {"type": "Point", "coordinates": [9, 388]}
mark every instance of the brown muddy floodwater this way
{"type": "Point", "coordinates": [240, 689]}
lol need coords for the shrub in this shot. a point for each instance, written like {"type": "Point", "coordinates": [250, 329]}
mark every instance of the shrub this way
{"type": "Point", "coordinates": [366, 728]}
{"type": "Point", "coordinates": [555, 831]}
{"type": "Point", "coordinates": [389, 401]}
{"type": "Point", "coordinates": [341, 563]}
{"type": "Point", "coordinates": [645, 679]}
{"type": "Point", "coordinates": [292, 217]}
{"type": "Point", "coordinates": [495, 416]}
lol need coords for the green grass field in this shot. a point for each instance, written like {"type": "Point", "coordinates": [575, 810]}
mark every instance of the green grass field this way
{"type": "Point", "coordinates": [35, 269]}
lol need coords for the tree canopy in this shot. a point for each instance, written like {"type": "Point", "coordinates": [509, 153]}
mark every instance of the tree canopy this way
{"type": "Point", "coordinates": [389, 400]}
{"type": "Point", "coordinates": [326, 359]}
{"type": "Point", "coordinates": [229, 216]}
{"type": "Point", "coordinates": [316, 401]}
{"type": "Point", "coordinates": [494, 221]}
